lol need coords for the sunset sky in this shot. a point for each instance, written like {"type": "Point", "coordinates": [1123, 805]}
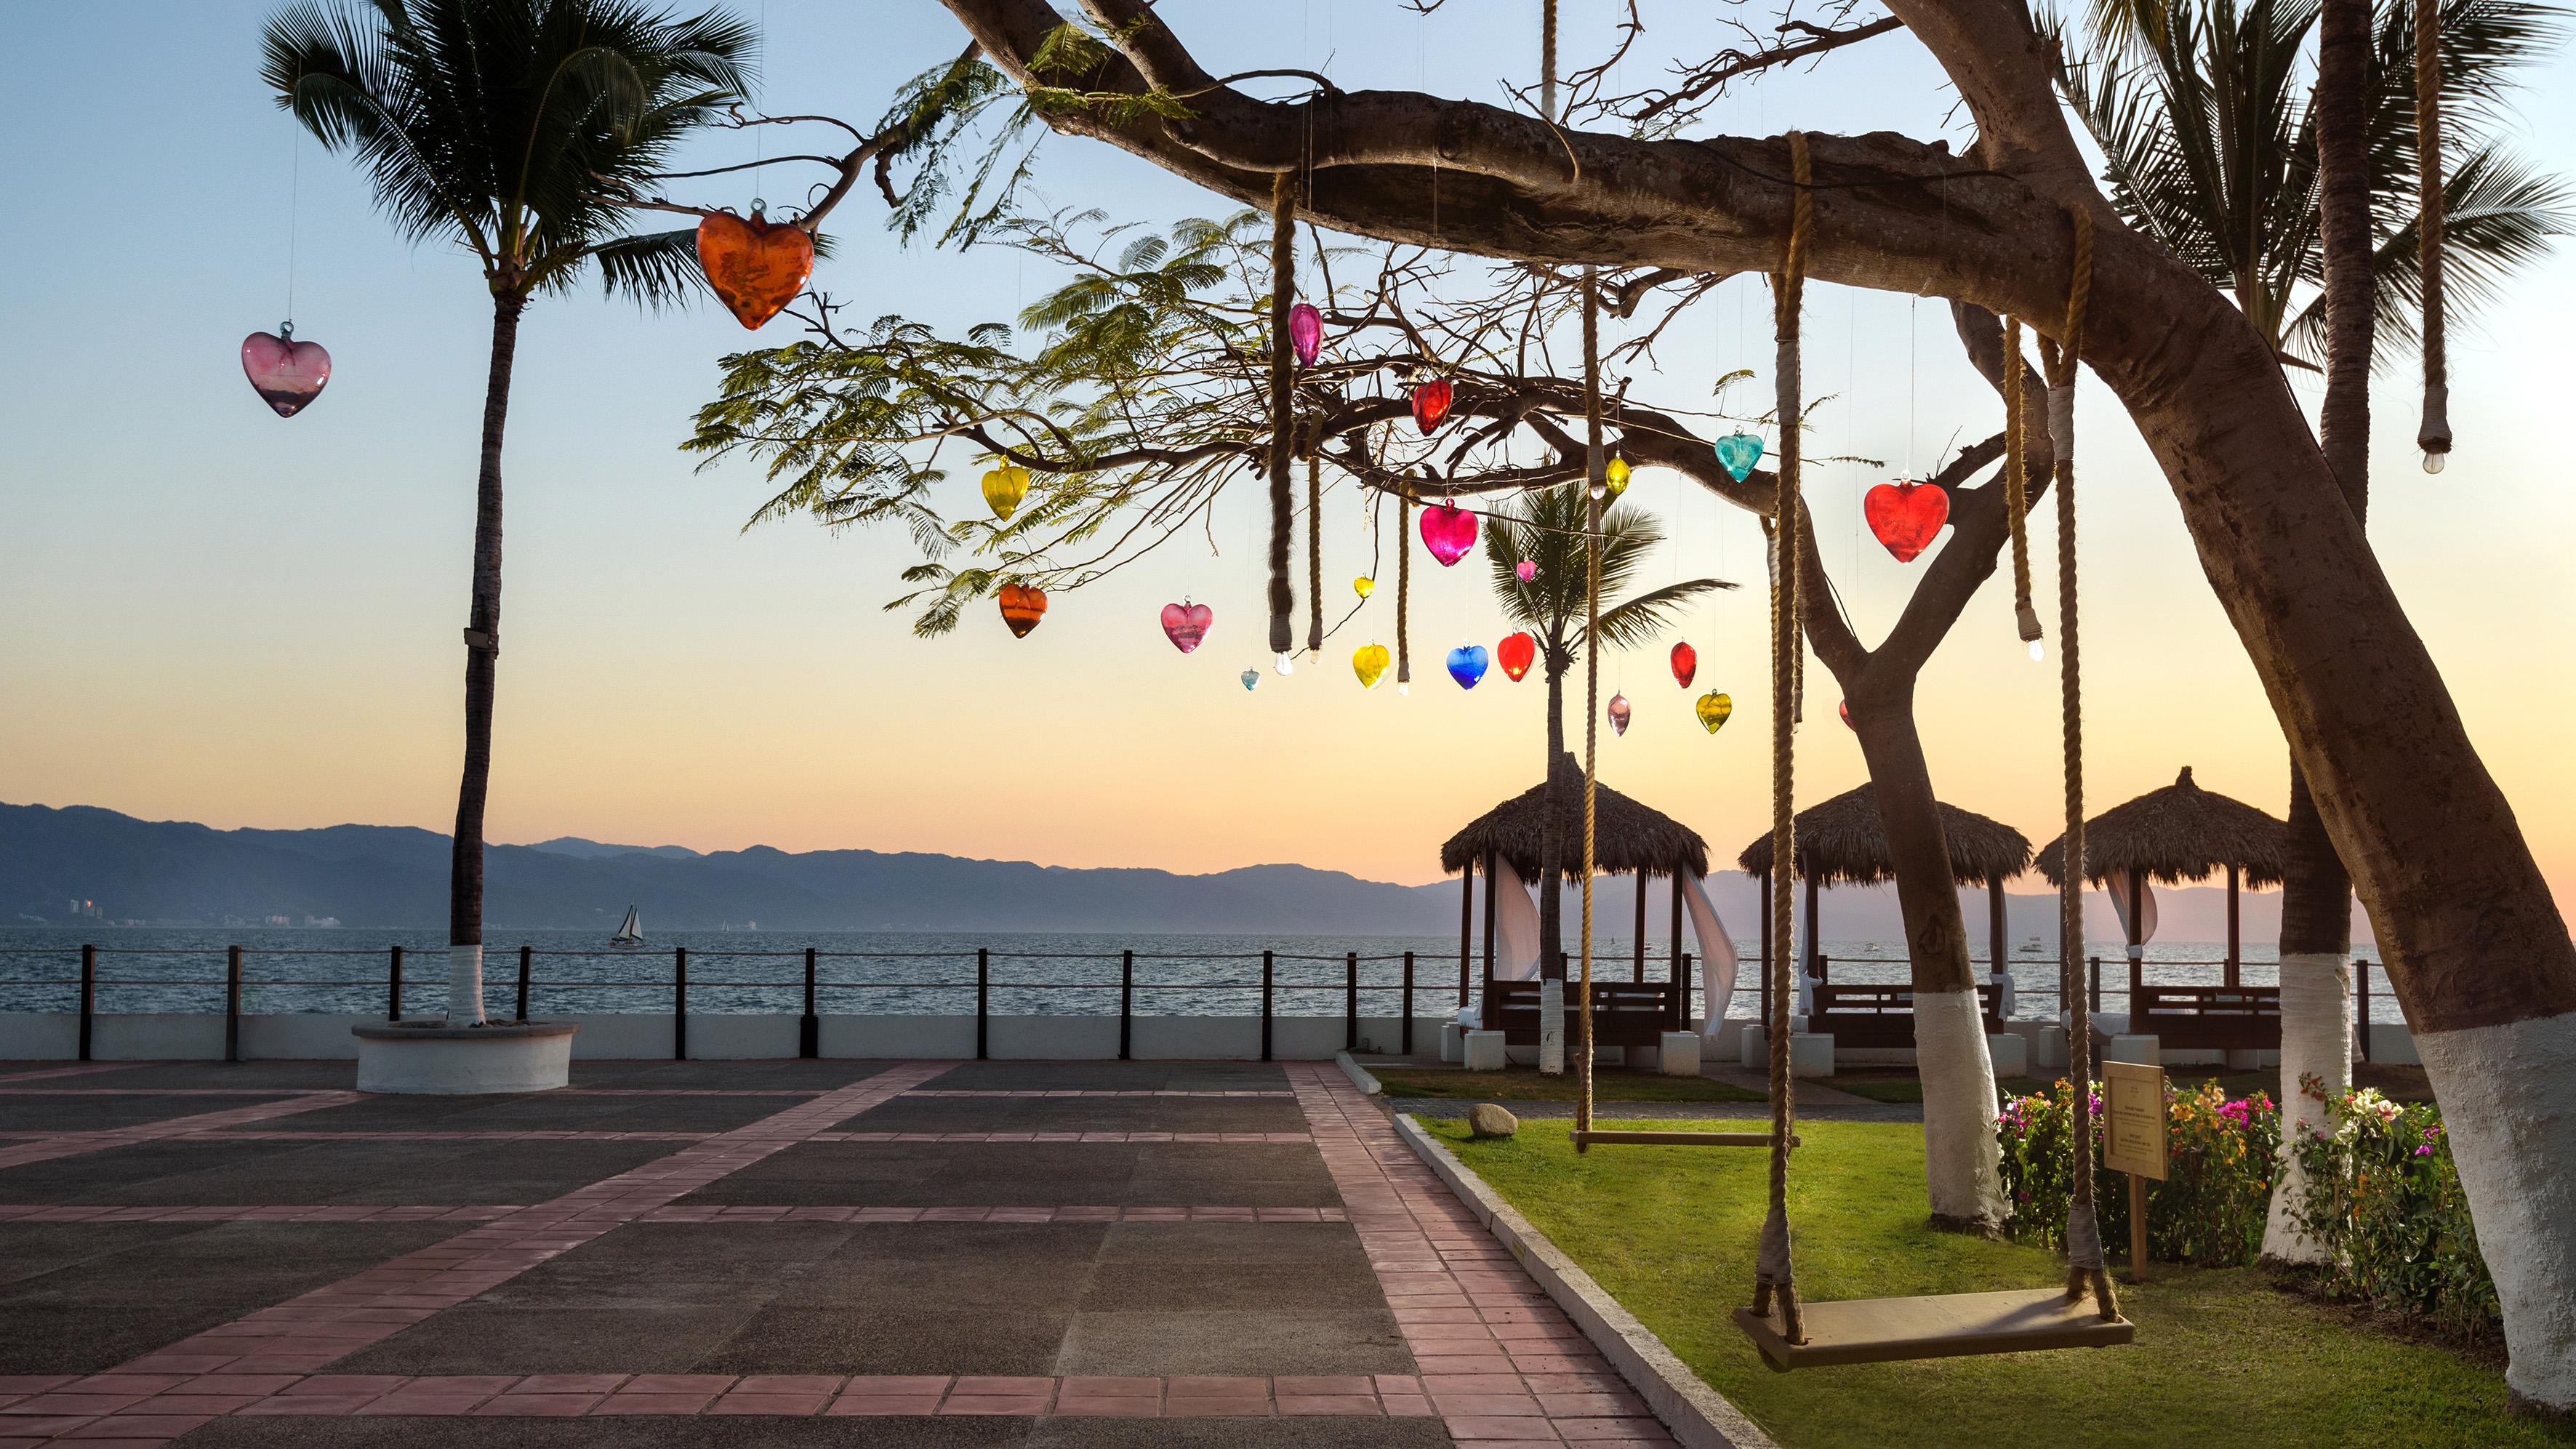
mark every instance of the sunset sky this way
{"type": "Point", "coordinates": [212, 614]}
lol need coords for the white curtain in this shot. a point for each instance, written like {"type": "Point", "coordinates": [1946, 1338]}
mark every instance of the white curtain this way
{"type": "Point", "coordinates": [1515, 925]}
{"type": "Point", "coordinates": [1716, 952]}
{"type": "Point", "coordinates": [2144, 929]}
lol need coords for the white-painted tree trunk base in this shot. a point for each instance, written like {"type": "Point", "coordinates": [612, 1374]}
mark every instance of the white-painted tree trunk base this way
{"type": "Point", "coordinates": [2508, 1097]}
{"type": "Point", "coordinates": [2316, 1040]}
{"type": "Point", "coordinates": [464, 985]}
{"type": "Point", "coordinates": [1962, 1160]}
{"type": "Point", "coordinates": [1551, 1027]}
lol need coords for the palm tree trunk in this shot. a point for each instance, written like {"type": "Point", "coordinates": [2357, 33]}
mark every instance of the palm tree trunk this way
{"type": "Point", "coordinates": [2316, 894]}
{"type": "Point", "coordinates": [1962, 1157]}
{"type": "Point", "coordinates": [1551, 890]}
{"type": "Point", "coordinates": [482, 648]}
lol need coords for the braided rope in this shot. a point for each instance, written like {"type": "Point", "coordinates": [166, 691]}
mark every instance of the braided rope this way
{"type": "Point", "coordinates": [1774, 1275]}
{"type": "Point", "coordinates": [1403, 587]}
{"type": "Point", "coordinates": [1547, 62]}
{"type": "Point", "coordinates": [1283, 372]}
{"type": "Point", "coordinates": [1315, 554]}
{"type": "Point", "coordinates": [1591, 665]}
{"type": "Point", "coordinates": [2017, 479]}
{"type": "Point", "coordinates": [2434, 434]}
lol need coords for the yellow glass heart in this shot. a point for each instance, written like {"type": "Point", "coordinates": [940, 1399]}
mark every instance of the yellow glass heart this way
{"type": "Point", "coordinates": [1615, 476]}
{"type": "Point", "coordinates": [1004, 488]}
{"type": "Point", "coordinates": [1369, 662]}
{"type": "Point", "coordinates": [1713, 710]}
{"type": "Point", "coordinates": [1364, 586]}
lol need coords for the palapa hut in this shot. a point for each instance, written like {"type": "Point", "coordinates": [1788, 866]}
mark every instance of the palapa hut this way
{"type": "Point", "coordinates": [1843, 842]}
{"type": "Point", "coordinates": [2175, 835]}
{"type": "Point", "coordinates": [1507, 844]}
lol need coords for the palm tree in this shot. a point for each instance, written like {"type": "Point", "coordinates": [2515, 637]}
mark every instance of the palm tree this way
{"type": "Point", "coordinates": [1546, 528]}
{"type": "Point", "coordinates": [516, 129]}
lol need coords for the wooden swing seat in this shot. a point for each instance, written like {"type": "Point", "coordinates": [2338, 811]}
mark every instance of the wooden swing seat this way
{"type": "Point", "coordinates": [1676, 1139]}
{"type": "Point", "coordinates": [1950, 1325]}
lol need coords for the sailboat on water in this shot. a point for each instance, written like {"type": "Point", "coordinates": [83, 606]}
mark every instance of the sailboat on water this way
{"type": "Point", "coordinates": [631, 933]}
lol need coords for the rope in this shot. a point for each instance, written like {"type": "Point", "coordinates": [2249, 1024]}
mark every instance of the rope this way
{"type": "Point", "coordinates": [1591, 663]}
{"type": "Point", "coordinates": [1547, 63]}
{"type": "Point", "coordinates": [2434, 435]}
{"type": "Point", "coordinates": [2017, 480]}
{"type": "Point", "coordinates": [1283, 364]}
{"type": "Point", "coordinates": [1315, 555]}
{"type": "Point", "coordinates": [1403, 587]}
{"type": "Point", "coordinates": [2084, 1264]}
{"type": "Point", "coordinates": [1773, 1275]}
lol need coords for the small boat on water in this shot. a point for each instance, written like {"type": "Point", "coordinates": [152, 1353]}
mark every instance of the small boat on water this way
{"type": "Point", "coordinates": [631, 933]}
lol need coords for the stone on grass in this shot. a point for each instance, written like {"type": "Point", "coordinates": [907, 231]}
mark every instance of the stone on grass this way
{"type": "Point", "coordinates": [1487, 1120]}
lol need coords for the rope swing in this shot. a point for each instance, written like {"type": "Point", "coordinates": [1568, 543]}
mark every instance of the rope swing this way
{"type": "Point", "coordinates": [2434, 434]}
{"type": "Point", "coordinates": [1595, 486]}
{"type": "Point", "coordinates": [2017, 481]}
{"type": "Point", "coordinates": [1283, 372]}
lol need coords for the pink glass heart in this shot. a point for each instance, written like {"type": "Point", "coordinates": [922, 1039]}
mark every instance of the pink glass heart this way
{"type": "Point", "coordinates": [1620, 711]}
{"type": "Point", "coordinates": [1186, 624]}
{"type": "Point", "coordinates": [288, 374]}
{"type": "Point", "coordinates": [1527, 569]}
{"type": "Point", "coordinates": [1306, 333]}
{"type": "Point", "coordinates": [1448, 531]}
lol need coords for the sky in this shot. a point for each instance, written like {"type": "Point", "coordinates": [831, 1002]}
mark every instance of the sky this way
{"type": "Point", "coordinates": [208, 613]}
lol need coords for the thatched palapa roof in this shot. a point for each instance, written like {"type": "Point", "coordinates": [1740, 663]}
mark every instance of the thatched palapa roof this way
{"type": "Point", "coordinates": [1627, 837]}
{"type": "Point", "coordinates": [1842, 841]}
{"type": "Point", "coordinates": [2179, 833]}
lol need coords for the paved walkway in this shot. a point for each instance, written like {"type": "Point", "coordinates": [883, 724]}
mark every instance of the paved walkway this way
{"type": "Point", "coordinates": [771, 1253]}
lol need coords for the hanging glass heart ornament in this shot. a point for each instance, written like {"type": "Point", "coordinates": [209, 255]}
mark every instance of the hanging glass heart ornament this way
{"type": "Point", "coordinates": [1713, 710]}
{"type": "Point", "coordinates": [1363, 586]}
{"type": "Point", "coordinates": [287, 374]}
{"type": "Point", "coordinates": [1448, 531]}
{"type": "Point", "coordinates": [1516, 653]}
{"type": "Point", "coordinates": [756, 266]}
{"type": "Point", "coordinates": [1737, 452]}
{"type": "Point", "coordinates": [1370, 662]}
{"type": "Point", "coordinates": [1526, 569]}
{"type": "Point", "coordinates": [1619, 713]}
{"type": "Point", "coordinates": [1614, 475]}
{"type": "Point", "coordinates": [1251, 680]}
{"type": "Point", "coordinates": [1467, 664]}
{"type": "Point", "coordinates": [1022, 607]}
{"type": "Point", "coordinates": [1185, 624]}
{"type": "Point", "coordinates": [1306, 333]}
{"type": "Point", "coordinates": [1906, 515]}
{"type": "Point", "coordinates": [1685, 664]}
{"type": "Point", "coordinates": [1431, 404]}
{"type": "Point", "coordinates": [1004, 487]}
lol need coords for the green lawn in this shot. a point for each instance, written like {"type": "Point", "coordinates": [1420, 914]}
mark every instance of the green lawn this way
{"type": "Point", "coordinates": [1530, 1086]}
{"type": "Point", "coordinates": [2223, 1358]}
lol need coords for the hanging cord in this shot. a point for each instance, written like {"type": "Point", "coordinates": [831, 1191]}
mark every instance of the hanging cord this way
{"type": "Point", "coordinates": [1314, 554]}
{"type": "Point", "coordinates": [294, 213]}
{"type": "Point", "coordinates": [2084, 1263]}
{"type": "Point", "coordinates": [1595, 483]}
{"type": "Point", "coordinates": [1547, 62]}
{"type": "Point", "coordinates": [2434, 435]}
{"type": "Point", "coordinates": [1772, 1274]}
{"type": "Point", "coordinates": [1283, 365]}
{"type": "Point", "coordinates": [1403, 589]}
{"type": "Point", "coordinates": [2017, 480]}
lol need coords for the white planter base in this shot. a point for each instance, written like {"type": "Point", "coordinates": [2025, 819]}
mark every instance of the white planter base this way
{"type": "Point", "coordinates": [1484, 1051]}
{"type": "Point", "coordinates": [430, 1058]}
{"type": "Point", "coordinates": [1679, 1054]}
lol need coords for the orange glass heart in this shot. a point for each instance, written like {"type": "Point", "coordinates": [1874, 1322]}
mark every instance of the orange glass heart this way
{"type": "Point", "coordinates": [755, 265]}
{"type": "Point", "coordinates": [1022, 607]}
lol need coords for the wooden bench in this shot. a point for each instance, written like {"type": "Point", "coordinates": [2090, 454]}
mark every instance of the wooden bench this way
{"type": "Point", "coordinates": [1879, 1016]}
{"type": "Point", "coordinates": [1624, 1013]}
{"type": "Point", "coordinates": [2207, 1018]}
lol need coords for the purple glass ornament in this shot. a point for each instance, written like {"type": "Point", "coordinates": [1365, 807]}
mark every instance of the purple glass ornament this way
{"type": "Point", "coordinates": [1306, 333]}
{"type": "Point", "coordinates": [288, 374]}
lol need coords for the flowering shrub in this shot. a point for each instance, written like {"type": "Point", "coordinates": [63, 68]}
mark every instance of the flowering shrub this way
{"type": "Point", "coordinates": [2384, 1196]}
{"type": "Point", "coordinates": [2209, 1210]}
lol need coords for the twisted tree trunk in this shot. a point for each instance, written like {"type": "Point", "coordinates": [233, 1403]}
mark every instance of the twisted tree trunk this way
{"type": "Point", "coordinates": [482, 650]}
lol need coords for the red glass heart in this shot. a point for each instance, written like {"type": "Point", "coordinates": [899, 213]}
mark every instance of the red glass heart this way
{"type": "Point", "coordinates": [757, 266]}
{"type": "Point", "coordinates": [1516, 653]}
{"type": "Point", "coordinates": [1022, 607]}
{"type": "Point", "coordinates": [288, 374]}
{"type": "Point", "coordinates": [1905, 515]}
{"type": "Point", "coordinates": [1448, 531]}
{"type": "Point", "coordinates": [1186, 624]}
{"type": "Point", "coordinates": [1685, 665]}
{"type": "Point", "coordinates": [1431, 404]}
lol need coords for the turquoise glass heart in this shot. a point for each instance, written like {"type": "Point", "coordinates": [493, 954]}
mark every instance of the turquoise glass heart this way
{"type": "Point", "coordinates": [1252, 679]}
{"type": "Point", "coordinates": [1737, 452]}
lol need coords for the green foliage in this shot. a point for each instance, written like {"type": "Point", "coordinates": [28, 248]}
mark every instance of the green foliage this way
{"type": "Point", "coordinates": [2208, 1211]}
{"type": "Point", "coordinates": [519, 129]}
{"type": "Point", "coordinates": [1546, 527]}
{"type": "Point", "coordinates": [2383, 1192]}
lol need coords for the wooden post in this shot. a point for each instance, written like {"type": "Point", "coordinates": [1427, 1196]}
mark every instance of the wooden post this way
{"type": "Point", "coordinates": [1490, 1020]}
{"type": "Point", "coordinates": [232, 1003]}
{"type": "Point", "coordinates": [983, 998]}
{"type": "Point", "coordinates": [89, 996]}
{"type": "Point", "coordinates": [1673, 972]}
{"type": "Point", "coordinates": [2137, 1228]}
{"type": "Point", "coordinates": [2096, 997]}
{"type": "Point", "coordinates": [1126, 1004]}
{"type": "Point", "coordinates": [2232, 934]}
{"type": "Point", "coordinates": [1407, 1027]}
{"type": "Point", "coordinates": [2137, 942]}
{"type": "Point", "coordinates": [679, 1003]}
{"type": "Point", "coordinates": [1681, 998]}
{"type": "Point", "coordinates": [1998, 942]}
{"type": "Point", "coordinates": [1637, 967]}
{"type": "Point", "coordinates": [1466, 925]}
{"type": "Point", "coordinates": [809, 1030]}
{"type": "Point", "coordinates": [526, 956]}
{"type": "Point", "coordinates": [1351, 1001]}
{"type": "Point", "coordinates": [1815, 948]}
{"type": "Point", "coordinates": [2361, 992]}
{"type": "Point", "coordinates": [393, 987]}
{"type": "Point", "coordinates": [1266, 960]}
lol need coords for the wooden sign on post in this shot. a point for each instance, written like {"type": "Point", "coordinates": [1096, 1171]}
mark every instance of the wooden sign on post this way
{"type": "Point", "coordinates": [2133, 1141]}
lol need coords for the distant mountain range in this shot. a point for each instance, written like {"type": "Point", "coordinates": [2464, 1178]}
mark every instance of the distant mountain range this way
{"type": "Point", "coordinates": [395, 877]}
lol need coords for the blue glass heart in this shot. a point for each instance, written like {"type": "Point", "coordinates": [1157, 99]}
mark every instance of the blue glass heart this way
{"type": "Point", "coordinates": [1467, 664]}
{"type": "Point", "coordinates": [1252, 679]}
{"type": "Point", "coordinates": [1738, 452]}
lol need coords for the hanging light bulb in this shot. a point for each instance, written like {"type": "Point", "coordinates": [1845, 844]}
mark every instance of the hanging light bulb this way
{"type": "Point", "coordinates": [2038, 651]}
{"type": "Point", "coordinates": [1406, 687]}
{"type": "Point", "coordinates": [1287, 663]}
{"type": "Point", "coordinates": [2433, 461]}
